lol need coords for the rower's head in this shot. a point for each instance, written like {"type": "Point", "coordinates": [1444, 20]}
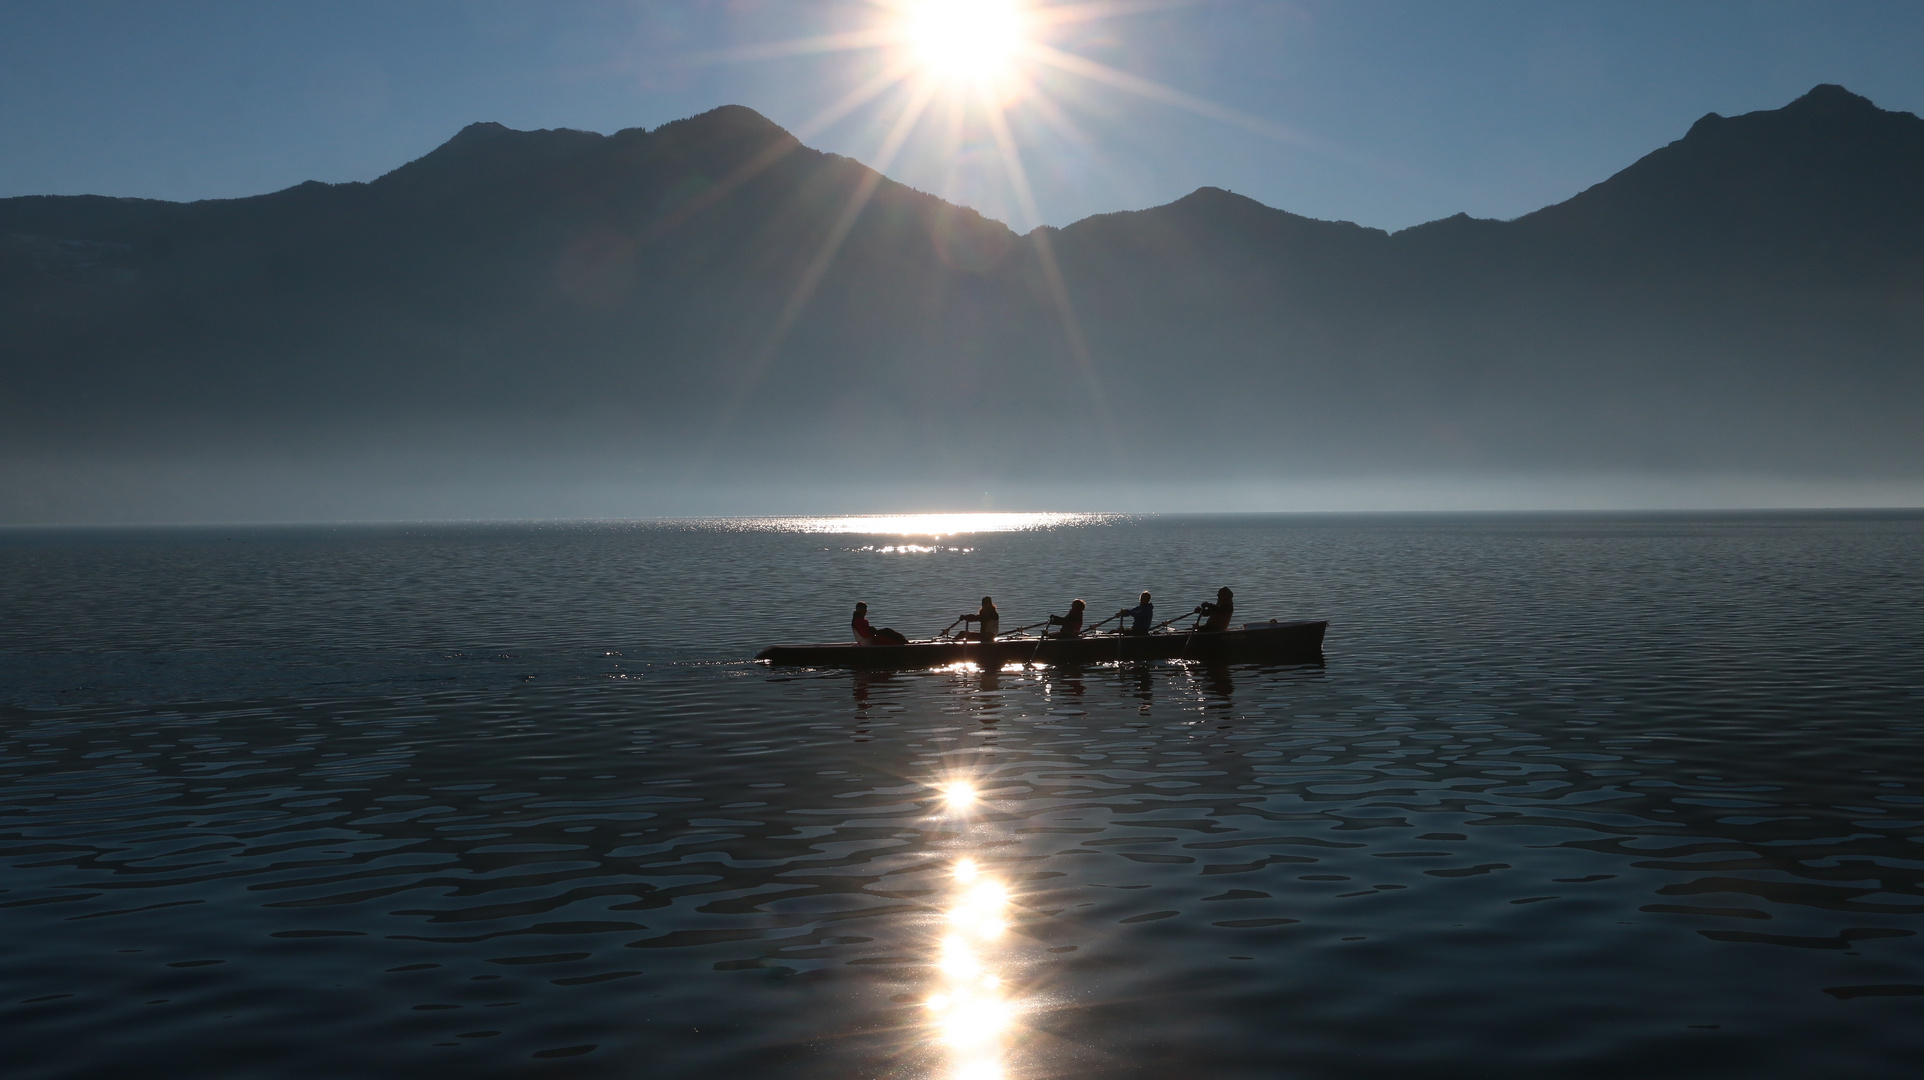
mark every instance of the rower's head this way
{"type": "Point", "coordinates": [861, 608]}
{"type": "Point", "coordinates": [1076, 605]}
{"type": "Point", "coordinates": [1145, 598]}
{"type": "Point", "coordinates": [1224, 593]}
{"type": "Point", "coordinates": [986, 602]}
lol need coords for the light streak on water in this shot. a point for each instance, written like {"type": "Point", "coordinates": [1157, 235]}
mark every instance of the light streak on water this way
{"type": "Point", "coordinates": [970, 1008]}
{"type": "Point", "coordinates": [922, 524]}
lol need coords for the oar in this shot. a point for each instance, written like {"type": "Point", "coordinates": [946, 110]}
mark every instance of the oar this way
{"type": "Point", "coordinates": [951, 626]}
{"type": "Point", "coordinates": [1031, 626]}
{"type": "Point", "coordinates": [1110, 619]}
{"type": "Point", "coordinates": [1178, 618]}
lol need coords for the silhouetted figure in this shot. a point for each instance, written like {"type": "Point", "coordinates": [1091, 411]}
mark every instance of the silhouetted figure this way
{"type": "Point", "coordinates": [867, 635]}
{"type": "Point", "coordinates": [1141, 617]}
{"type": "Point", "coordinates": [989, 618]}
{"type": "Point", "coordinates": [1216, 615]}
{"type": "Point", "coordinates": [1071, 623]}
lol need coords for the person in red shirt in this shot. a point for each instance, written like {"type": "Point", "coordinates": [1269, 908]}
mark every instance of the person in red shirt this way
{"type": "Point", "coordinates": [867, 635]}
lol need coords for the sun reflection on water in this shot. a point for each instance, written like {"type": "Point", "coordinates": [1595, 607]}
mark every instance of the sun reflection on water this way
{"type": "Point", "coordinates": [927, 524]}
{"type": "Point", "coordinates": [958, 795]}
{"type": "Point", "coordinates": [969, 1008]}
{"type": "Point", "coordinates": [971, 1011]}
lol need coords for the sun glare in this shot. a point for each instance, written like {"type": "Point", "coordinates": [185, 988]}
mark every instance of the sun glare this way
{"type": "Point", "coordinates": [975, 42]}
{"type": "Point", "coordinates": [972, 1012]}
{"type": "Point", "coordinates": [959, 795]}
{"type": "Point", "coordinates": [986, 78]}
{"type": "Point", "coordinates": [938, 525]}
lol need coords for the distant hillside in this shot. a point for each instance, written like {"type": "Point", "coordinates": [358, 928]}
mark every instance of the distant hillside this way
{"type": "Point", "coordinates": [1747, 299]}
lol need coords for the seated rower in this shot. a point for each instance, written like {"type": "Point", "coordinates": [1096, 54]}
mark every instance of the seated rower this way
{"type": "Point", "coordinates": [1071, 623]}
{"type": "Point", "coordinates": [989, 618]}
{"type": "Point", "coordinates": [867, 635]}
{"type": "Point", "coordinates": [1217, 615]}
{"type": "Point", "coordinates": [1141, 617]}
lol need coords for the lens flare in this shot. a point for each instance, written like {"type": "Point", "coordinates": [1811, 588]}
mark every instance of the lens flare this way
{"type": "Point", "coordinates": [959, 795]}
{"type": "Point", "coordinates": [965, 41]}
{"type": "Point", "coordinates": [959, 961]}
{"type": "Point", "coordinates": [989, 60]}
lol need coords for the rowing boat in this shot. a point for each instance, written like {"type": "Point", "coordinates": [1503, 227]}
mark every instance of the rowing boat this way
{"type": "Point", "coordinates": [1273, 640]}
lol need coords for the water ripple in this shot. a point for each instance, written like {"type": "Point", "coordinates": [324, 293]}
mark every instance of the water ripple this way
{"type": "Point", "coordinates": [1589, 797]}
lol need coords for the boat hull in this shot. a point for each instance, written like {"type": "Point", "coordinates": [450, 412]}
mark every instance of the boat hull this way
{"type": "Point", "coordinates": [1272, 641]}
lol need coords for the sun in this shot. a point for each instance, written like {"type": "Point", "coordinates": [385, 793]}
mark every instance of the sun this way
{"type": "Point", "coordinates": [987, 76]}
{"type": "Point", "coordinates": [967, 42]}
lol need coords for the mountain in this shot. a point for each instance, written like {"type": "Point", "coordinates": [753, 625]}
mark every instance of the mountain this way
{"type": "Point", "coordinates": [712, 303]}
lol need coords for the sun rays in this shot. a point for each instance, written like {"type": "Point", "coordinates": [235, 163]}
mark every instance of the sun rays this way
{"type": "Point", "coordinates": [972, 42]}
{"type": "Point", "coordinates": [986, 71]}
{"type": "Point", "coordinates": [982, 69]}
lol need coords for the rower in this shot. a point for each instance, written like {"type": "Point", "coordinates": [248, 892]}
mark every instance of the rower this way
{"type": "Point", "coordinates": [867, 635]}
{"type": "Point", "coordinates": [1071, 623]}
{"type": "Point", "coordinates": [1140, 616]}
{"type": "Point", "coordinates": [1217, 614]}
{"type": "Point", "coordinates": [988, 616]}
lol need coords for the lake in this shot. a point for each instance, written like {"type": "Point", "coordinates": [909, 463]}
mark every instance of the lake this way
{"type": "Point", "coordinates": [1575, 795]}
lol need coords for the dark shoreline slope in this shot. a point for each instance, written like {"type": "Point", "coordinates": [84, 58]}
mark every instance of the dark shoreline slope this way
{"type": "Point", "coordinates": [1749, 298]}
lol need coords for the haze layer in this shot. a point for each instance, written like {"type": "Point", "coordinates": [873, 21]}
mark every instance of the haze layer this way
{"type": "Point", "coordinates": [711, 317]}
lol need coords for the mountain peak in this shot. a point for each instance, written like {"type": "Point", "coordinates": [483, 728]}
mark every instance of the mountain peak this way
{"type": "Point", "coordinates": [1208, 196]}
{"type": "Point", "coordinates": [1828, 172]}
{"type": "Point", "coordinates": [1830, 98]}
{"type": "Point", "coordinates": [1823, 103]}
{"type": "Point", "coordinates": [726, 121]}
{"type": "Point", "coordinates": [480, 129]}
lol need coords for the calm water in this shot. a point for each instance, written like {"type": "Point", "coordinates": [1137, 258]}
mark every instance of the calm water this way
{"type": "Point", "coordinates": [1578, 797]}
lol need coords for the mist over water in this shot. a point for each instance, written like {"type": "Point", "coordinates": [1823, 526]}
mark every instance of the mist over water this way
{"type": "Point", "coordinates": [469, 488]}
{"type": "Point", "coordinates": [1600, 795]}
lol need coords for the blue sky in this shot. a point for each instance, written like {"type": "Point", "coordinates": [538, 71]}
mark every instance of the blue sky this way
{"type": "Point", "coordinates": [1384, 113]}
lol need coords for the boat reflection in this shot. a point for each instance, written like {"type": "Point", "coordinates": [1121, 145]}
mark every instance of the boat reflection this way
{"type": "Point", "coordinates": [864, 721]}
{"type": "Point", "coordinates": [1220, 684]}
{"type": "Point", "coordinates": [988, 680]}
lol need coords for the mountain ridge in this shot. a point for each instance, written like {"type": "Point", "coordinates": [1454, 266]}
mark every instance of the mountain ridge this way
{"type": "Point", "coordinates": [697, 304]}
